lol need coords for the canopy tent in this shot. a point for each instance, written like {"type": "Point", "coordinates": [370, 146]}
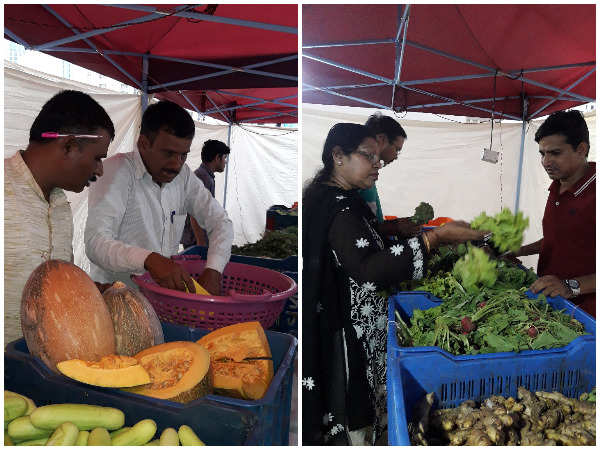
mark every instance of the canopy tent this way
{"type": "Point", "coordinates": [507, 61]}
{"type": "Point", "coordinates": [263, 160]}
{"type": "Point", "coordinates": [232, 62]}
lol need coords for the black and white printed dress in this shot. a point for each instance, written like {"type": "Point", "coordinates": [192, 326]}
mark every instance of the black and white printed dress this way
{"type": "Point", "coordinates": [346, 264]}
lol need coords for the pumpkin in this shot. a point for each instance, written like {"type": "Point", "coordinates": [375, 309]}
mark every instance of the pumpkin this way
{"type": "Point", "coordinates": [178, 371]}
{"type": "Point", "coordinates": [234, 372]}
{"type": "Point", "coordinates": [135, 322]}
{"type": "Point", "coordinates": [110, 371]}
{"type": "Point", "coordinates": [63, 315]}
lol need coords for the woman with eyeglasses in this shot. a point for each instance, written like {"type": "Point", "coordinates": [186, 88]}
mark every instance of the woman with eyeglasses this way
{"type": "Point", "coordinates": [346, 263]}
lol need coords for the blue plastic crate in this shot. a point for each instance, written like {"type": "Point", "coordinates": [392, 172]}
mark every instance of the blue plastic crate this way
{"type": "Point", "coordinates": [217, 420]}
{"type": "Point", "coordinates": [406, 302]}
{"type": "Point", "coordinates": [570, 370]}
{"type": "Point", "coordinates": [288, 319]}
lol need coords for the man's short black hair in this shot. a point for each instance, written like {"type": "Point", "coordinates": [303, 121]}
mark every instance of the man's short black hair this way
{"type": "Point", "coordinates": [70, 112]}
{"type": "Point", "coordinates": [378, 124]}
{"type": "Point", "coordinates": [170, 117]}
{"type": "Point", "coordinates": [212, 148]}
{"type": "Point", "coordinates": [570, 124]}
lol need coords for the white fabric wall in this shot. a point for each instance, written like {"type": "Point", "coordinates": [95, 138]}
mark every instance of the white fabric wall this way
{"type": "Point", "coordinates": [263, 168]}
{"type": "Point", "coordinates": [441, 164]}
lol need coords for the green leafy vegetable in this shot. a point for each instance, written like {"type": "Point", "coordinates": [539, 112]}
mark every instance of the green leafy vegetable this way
{"type": "Point", "coordinates": [475, 269]}
{"type": "Point", "coordinates": [423, 213]}
{"type": "Point", "coordinates": [274, 244]}
{"type": "Point", "coordinates": [507, 228]}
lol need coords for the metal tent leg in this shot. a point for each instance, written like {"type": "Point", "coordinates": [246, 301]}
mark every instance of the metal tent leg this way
{"type": "Point", "coordinates": [518, 196]}
{"type": "Point", "coordinates": [227, 167]}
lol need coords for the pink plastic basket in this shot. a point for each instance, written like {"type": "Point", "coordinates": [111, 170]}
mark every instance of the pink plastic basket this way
{"type": "Point", "coordinates": [253, 294]}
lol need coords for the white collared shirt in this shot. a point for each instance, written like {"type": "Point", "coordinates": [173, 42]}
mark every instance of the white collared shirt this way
{"type": "Point", "coordinates": [34, 231]}
{"type": "Point", "coordinates": [130, 216]}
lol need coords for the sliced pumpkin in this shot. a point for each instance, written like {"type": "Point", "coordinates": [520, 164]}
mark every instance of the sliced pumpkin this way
{"type": "Point", "coordinates": [178, 371]}
{"type": "Point", "coordinates": [110, 371]}
{"type": "Point", "coordinates": [198, 289]}
{"type": "Point", "coordinates": [234, 370]}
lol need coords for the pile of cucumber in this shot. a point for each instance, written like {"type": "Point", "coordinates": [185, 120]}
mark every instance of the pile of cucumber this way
{"type": "Point", "coordinates": [78, 424]}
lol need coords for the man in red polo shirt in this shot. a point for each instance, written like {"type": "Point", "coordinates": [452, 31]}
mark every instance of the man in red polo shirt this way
{"type": "Point", "coordinates": [567, 263]}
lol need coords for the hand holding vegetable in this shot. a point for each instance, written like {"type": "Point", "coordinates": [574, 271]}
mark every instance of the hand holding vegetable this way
{"type": "Point", "coordinates": [551, 286]}
{"type": "Point", "coordinates": [210, 280]}
{"type": "Point", "coordinates": [168, 274]}
{"type": "Point", "coordinates": [454, 233]}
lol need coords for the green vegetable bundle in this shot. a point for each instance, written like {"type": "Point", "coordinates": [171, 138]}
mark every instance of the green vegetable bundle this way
{"type": "Point", "coordinates": [507, 228]}
{"type": "Point", "coordinates": [423, 213]}
{"type": "Point", "coordinates": [475, 269]}
{"type": "Point", "coordinates": [274, 244]}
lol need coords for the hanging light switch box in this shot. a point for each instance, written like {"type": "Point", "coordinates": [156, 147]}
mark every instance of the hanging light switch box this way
{"type": "Point", "coordinates": [490, 156]}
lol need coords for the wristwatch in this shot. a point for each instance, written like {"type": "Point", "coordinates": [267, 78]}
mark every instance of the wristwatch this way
{"type": "Point", "coordinates": [573, 286]}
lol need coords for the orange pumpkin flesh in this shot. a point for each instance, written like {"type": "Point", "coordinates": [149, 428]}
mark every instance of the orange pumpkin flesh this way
{"type": "Point", "coordinates": [178, 371]}
{"type": "Point", "coordinates": [110, 371]}
{"type": "Point", "coordinates": [232, 374]}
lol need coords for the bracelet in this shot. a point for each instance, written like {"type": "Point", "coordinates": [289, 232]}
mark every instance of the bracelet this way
{"type": "Point", "coordinates": [426, 241]}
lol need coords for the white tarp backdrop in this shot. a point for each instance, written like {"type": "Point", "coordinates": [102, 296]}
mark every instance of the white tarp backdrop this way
{"type": "Point", "coordinates": [441, 164]}
{"type": "Point", "coordinates": [263, 168]}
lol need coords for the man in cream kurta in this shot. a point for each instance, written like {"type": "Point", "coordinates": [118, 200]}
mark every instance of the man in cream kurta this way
{"type": "Point", "coordinates": [131, 216]}
{"type": "Point", "coordinates": [33, 234]}
{"type": "Point", "coordinates": [38, 222]}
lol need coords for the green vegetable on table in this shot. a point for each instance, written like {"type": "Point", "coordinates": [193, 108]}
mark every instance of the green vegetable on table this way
{"type": "Point", "coordinates": [507, 229]}
{"type": "Point", "coordinates": [274, 244]}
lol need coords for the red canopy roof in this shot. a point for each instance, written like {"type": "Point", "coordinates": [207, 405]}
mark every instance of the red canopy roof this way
{"type": "Point", "coordinates": [185, 44]}
{"type": "Point", "coordinates": [450, 41]}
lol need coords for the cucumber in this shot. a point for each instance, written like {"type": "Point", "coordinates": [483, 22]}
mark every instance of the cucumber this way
{"type": "Point", "coordinates": [82, 438]}
{"type": "Point", "coordinates": [99, 436]}
{"type": "Point", "coordinates": [21, 429]}
{"type": "Point", "coordinates": [86, 417]}
{"type": "Point", "coordinates": [41, 441]}
{"type": "Point", "coordinates": [13, 407]}
{"type": "Point", "coordinates": [154, 442]}
{"type": "Point", "coordinates": [169, 437]}
{"type": "Point", "coordinates": [114, 434]}
{"type": "Point", "coordinates": [30, 404]}
{"type": "Point", "coordinates": [140, 434]}
{"type": "Point", "coordinates": [188, 437]}
{"type": "Point", "coordinates": [7, 440]}
{"type": "Point", "coordinates": [65, 434]}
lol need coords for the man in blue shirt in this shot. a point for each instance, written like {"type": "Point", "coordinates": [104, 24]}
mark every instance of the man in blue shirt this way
{"type": "Point", "coordinates": [214, 158]}
{"type": "Point", "coordinates": [390, 136]}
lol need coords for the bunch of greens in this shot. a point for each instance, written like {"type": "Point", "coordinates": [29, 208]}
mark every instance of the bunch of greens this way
{"type": "Point", "coordinates": [507, 229]}
{"type": "Point", "coordinates": [510, 276]}
{"type": "Point", "coordinates": [475, 269]}
{"type": "Point", "coordinates": [444, 258]}
{"type": "Point", "coordinates": [494, 320]}
{"type": "Point", "coordinates": [423, 213]}
{"type": "Point", "coordinates": [588, 396]}
{"type": "Point", "coordinates": [274, 244]}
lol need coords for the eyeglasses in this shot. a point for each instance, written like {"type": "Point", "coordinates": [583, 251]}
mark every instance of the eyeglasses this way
{"type": "Point", "coordinates": [54, 134]}
{"type": "Point", "coordinates": [371, 157]}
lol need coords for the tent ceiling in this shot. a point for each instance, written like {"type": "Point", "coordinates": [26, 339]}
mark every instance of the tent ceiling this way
{"type": "Point", "coordinates": [190, 50]}
{"type": "Point", "coordinates": [466, 60]}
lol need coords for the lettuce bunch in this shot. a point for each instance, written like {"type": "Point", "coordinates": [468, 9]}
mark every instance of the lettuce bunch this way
{"type": "Point", "coordinates": [507, 229]}
{"type": "Point", "coordinates": [475, 269]}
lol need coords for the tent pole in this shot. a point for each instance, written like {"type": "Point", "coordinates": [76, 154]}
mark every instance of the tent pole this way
{"type": "Point", "coordinates": [227, 167]}
{"type": "Point", "coordinates": [144, 83]}
{"type": "Point", "coordinates": [518, 197]}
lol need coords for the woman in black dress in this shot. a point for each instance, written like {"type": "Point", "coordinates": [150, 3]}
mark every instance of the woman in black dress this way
{"type": "Point", "coordinates": [344, 318]}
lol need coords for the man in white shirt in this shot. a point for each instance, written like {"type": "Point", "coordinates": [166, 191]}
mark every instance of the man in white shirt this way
{"type": "Point", "coordinates": [137, 211]}
{"type": "Point", "coordinates": [67, 142]}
